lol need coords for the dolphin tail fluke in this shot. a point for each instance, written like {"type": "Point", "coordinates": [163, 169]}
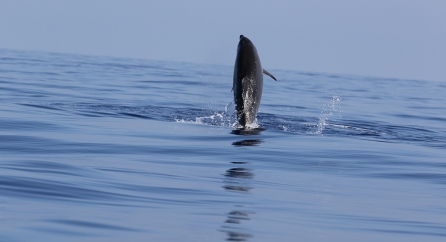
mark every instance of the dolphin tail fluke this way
{"type": "Point", "coordinates": [269, 74]}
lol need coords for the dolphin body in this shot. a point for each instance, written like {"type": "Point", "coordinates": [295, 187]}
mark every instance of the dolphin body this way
{"type": "Point", "coordinates": [248, 82]}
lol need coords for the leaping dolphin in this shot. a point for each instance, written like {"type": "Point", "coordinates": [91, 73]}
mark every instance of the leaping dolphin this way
{"type": "Point", "coordinates": [248, 82]}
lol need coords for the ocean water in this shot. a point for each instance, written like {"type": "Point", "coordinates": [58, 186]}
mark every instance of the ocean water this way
{"type": "Point", "coordinates": [116, 149]}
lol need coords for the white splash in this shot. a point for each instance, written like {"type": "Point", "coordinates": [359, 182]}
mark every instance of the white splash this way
{"type": "Point", "coordinates": [253, 125]}
{"type": "Point", "coordinates": [285, 128]}
{"type": "Point", "coordinates": [224, 118]}
{"type": "Point", "coordinates": [330, 108]}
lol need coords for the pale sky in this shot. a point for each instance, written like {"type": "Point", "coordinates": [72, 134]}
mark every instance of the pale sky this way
{"type": "Point", "coordinates": [381, 38]}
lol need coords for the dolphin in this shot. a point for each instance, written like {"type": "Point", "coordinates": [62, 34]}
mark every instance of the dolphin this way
{"type": "Point", "coordinates": [248, 82]}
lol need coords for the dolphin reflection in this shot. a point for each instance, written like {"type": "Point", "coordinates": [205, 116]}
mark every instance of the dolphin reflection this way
{"type": "Point", "coordinates": [233, 183]}
{"type": "Point", "coordinates": [237, 180]}
{"type": "Point", "coordinates": [246, 132]}
{"type": "Point", "coordinates": [235, 218]}
{"type": "Point", "coordinates": [255, 131]}
{"type": "Point", "coordinates": [248, 142]}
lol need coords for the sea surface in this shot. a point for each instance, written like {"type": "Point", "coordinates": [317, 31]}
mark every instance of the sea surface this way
{"type": "Point", "coordinates": [118, 149]}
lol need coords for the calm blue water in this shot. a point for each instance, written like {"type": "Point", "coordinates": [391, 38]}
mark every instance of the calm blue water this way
{"type": "Point", "coordinates": [114, 149]}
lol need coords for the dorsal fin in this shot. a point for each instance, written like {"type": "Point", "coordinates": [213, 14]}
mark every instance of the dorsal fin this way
{"type": "Point", "coordinates": [269, 74]}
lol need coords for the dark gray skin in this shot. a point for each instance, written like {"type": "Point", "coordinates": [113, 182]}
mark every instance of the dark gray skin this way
{"type": "Point", "coordinates": [248, 82]}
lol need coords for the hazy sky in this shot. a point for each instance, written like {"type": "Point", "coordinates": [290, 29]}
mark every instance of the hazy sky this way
{"type": "Point", "coordinates": [383, 38]}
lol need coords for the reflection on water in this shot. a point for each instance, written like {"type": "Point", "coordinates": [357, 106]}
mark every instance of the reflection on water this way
{"type": "Point", "coordinates": [247, 142]}
{"type": "Point", "coordinates": [237, 179]}
{"type": "Point", "coordinates": [234, 218]}
{"type": "Point", "coordinates": [234, 183]}
{"type": "Point", "coordinates": [239, 172]}
{"type": "Point", "coordinates": [247, 132]}
{"type": "Point", "coordinates": [255, 131]}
